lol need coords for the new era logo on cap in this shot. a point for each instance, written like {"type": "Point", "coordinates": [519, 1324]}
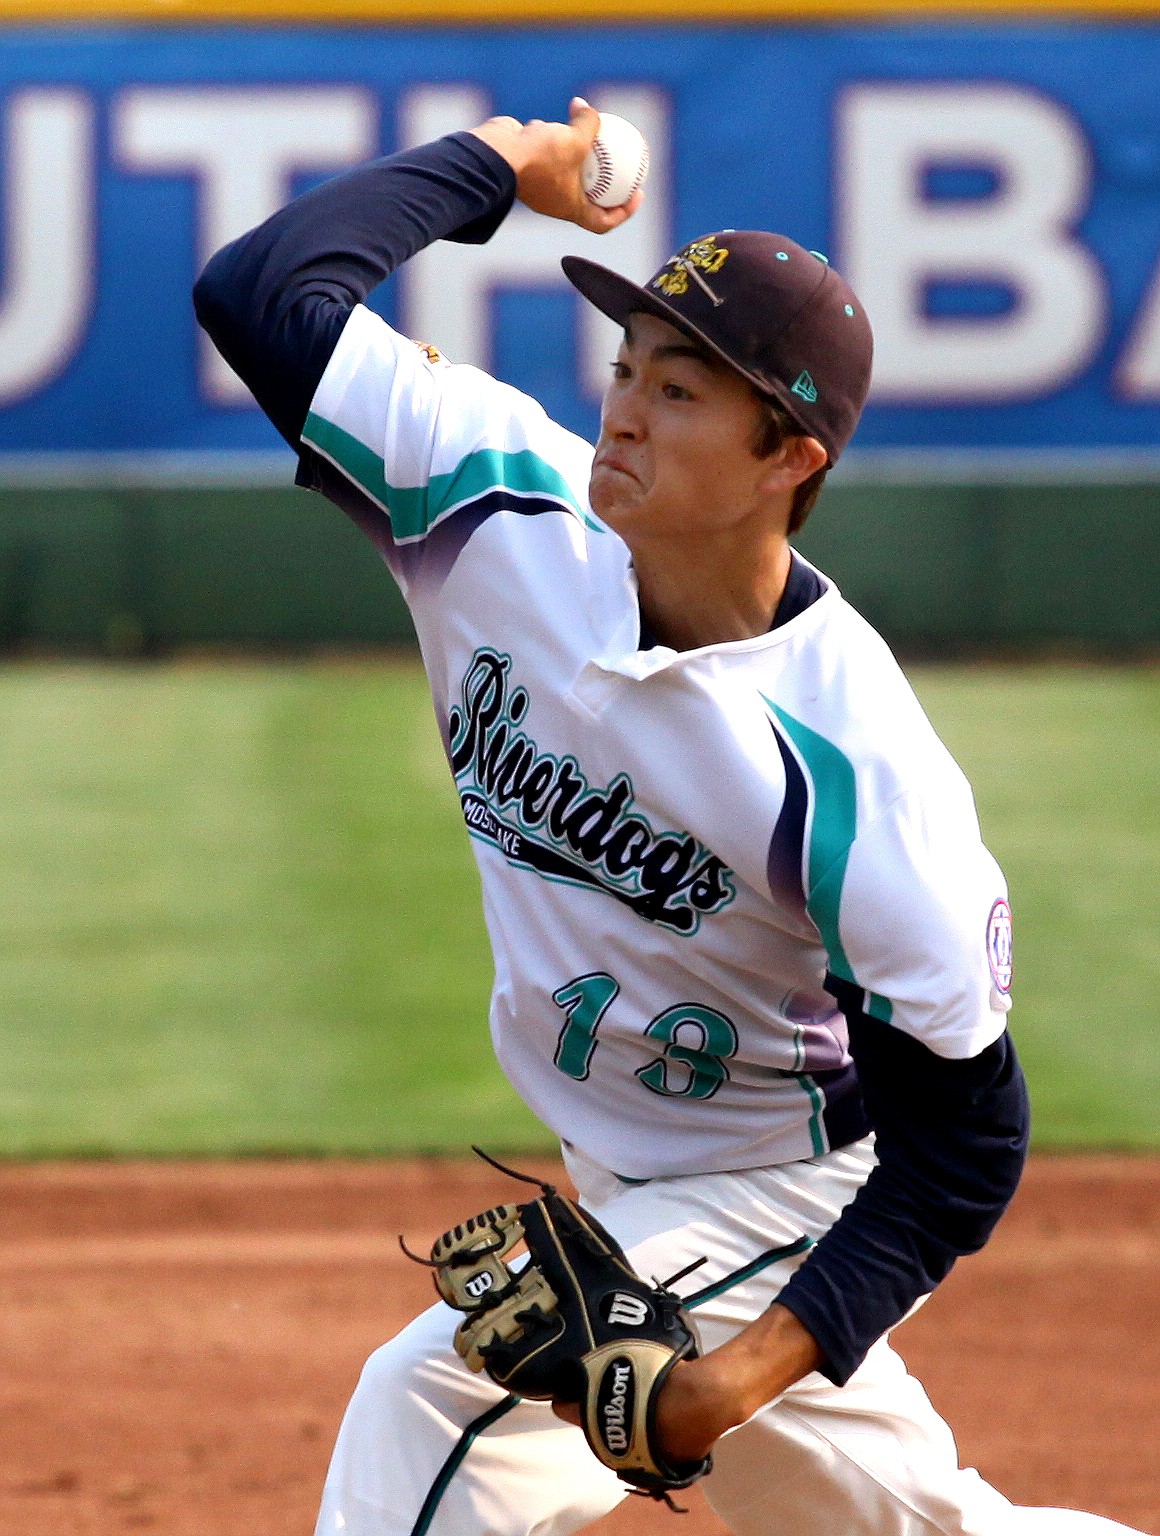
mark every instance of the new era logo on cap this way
{"type": "Point", "coordinates": [804, 386]}
{"type": "Point", "coordinates": [758, 302]}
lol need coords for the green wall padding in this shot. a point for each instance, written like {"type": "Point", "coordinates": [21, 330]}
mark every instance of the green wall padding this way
{"type": "Point", "coordinates": [985, 567]}
{"type": "Point", "coordinates": [937, 569]}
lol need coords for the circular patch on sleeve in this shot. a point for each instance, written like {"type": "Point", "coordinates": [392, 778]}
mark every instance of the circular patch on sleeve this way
{"type": "Point", "coordinates": [999, 945]}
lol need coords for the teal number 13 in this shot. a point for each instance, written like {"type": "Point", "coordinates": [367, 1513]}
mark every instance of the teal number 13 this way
{"type": "Point", "coordinates": [704, 1063]}
{"type": "Point", "coordinates": [700, 1067]}
{"type": "Point", "coordinates": [585, 1002]}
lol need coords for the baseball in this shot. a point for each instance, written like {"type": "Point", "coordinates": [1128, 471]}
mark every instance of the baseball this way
{"type": "Point", "coordinates": [617, 163]}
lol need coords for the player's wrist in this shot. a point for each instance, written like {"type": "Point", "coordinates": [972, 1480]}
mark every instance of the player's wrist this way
{"type": "Point", "coordinates": [693, 1411]}
{"type": "Point", "coordinates": [505, 135]}
{"type": "Point", "coordinates": [706, 1397]}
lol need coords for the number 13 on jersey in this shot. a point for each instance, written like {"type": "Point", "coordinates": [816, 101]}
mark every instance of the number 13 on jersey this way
{"type": "Point", "coordinates": [696, 1042]}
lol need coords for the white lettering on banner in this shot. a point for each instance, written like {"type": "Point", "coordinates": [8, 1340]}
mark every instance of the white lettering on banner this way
{"type": "Point", "coordinates": [893, 241]}
{"type": "Point", "coordinates": [446, 288]}
{"type": "Point", "coordinates": [49, 260]}
{"type": "Point", "coordinates": [1138, 374]}
{"type": "Point", "coordinates": [243, 146]}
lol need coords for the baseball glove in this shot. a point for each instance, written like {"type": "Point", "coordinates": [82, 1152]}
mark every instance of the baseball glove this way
{"type": "Point", "coordinates": [575, 1324]}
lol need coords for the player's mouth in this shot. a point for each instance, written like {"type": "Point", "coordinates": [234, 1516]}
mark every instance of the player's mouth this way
{"type": "Point", "coordinates": [610, 461]}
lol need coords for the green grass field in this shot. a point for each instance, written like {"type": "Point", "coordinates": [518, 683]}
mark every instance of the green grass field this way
{"type": "Point", "coordinates": [240, 912]}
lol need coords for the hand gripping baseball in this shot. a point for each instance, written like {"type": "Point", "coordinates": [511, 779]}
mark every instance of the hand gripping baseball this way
{"type": "Point", "coordinates": [576, 1324]}
{"type": "Point", "coordinates": [547, 158]}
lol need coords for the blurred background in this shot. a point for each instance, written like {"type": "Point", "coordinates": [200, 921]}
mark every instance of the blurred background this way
{"type": "Point", "coordinates": [239, 911]}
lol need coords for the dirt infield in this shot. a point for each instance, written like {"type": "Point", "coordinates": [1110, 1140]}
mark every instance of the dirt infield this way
{"type": "Point", "coordinates": [177, 1342]}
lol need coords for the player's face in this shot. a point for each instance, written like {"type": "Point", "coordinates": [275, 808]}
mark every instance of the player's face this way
{"type": "Point", "coordinates": [677, 433]}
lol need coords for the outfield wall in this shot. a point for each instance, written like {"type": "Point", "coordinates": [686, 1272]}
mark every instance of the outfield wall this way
{"type": "Point", "coordinates": [990, 183]}
{"type": "Point", "coordinates": [947, 570]}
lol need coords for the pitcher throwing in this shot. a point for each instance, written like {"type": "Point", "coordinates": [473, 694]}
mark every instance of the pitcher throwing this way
{"type": "Point", "coordinates": [752, 958]}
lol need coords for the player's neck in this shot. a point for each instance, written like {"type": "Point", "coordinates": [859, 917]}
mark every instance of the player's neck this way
{"type": "Point", "coordinates": [711, 591]}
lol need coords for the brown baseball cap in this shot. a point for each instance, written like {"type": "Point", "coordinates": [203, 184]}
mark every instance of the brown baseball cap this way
{"type": "Point", "coordinates": [778, 314]}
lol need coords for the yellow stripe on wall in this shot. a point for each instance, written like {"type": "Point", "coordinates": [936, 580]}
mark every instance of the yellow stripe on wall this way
{"type": "Point", "coordinates": [387, 12]}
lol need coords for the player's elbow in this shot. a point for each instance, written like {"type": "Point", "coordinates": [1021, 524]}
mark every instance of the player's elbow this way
{"type": "Point", "coordinates": [965, 1148]}
{"type": "Point", "coordinates": [219, 302]}
{"type": "Point", "coordinates": [952, 1133]}
{"type": "Point", "coordinates": [210, 301]}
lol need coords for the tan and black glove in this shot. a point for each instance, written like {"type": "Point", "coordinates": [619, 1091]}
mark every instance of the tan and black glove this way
{"type": "Point", "coordinates": [575, 1324]}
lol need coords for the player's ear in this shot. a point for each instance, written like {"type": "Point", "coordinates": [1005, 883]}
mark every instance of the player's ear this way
{"type": "Point", "coordinates": [796, 459]}
{"type": "Point", "coordinates": [809, 456]}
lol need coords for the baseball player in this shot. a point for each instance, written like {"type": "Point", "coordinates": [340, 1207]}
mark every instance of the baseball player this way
{"type": "Point", "coordinates": [752, 959]}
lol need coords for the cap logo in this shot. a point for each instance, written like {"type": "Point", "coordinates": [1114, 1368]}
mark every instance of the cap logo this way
{"type": "Point", "coordinates": [698, 258]}
{"type": "Point", "coordinates": [804, 386]}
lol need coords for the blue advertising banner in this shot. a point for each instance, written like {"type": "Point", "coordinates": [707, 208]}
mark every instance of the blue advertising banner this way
{"type": "Point", "coordinates": [992, 192]}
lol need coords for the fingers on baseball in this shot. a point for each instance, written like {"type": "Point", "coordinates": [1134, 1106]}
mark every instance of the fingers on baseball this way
{"type": "Point", "coordinates": [604, 220]}
{"type": "Point", "coordinates": [584, 118]}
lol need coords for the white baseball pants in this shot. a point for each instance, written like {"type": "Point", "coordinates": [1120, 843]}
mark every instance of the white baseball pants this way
{"type": "Point", "coordinates": [428, 1449]}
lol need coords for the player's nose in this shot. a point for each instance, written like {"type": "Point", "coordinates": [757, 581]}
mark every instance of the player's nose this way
{"type": "Point", "coordinates": [622, 415]}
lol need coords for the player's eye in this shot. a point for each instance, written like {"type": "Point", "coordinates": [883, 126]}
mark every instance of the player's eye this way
{"type": "Point", "coordinates": [620, 369]}
{"type": "Point", "coordinates": [675, 392]}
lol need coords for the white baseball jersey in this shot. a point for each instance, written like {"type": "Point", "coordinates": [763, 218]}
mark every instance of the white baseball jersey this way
{"type": "Point", "coordinates": [675, 847]}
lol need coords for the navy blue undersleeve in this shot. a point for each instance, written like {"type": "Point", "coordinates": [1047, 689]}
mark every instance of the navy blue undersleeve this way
{"type": "Point", "coordinates": [276, 300]}
{"type": "Point", "coordinates": [951, 1144]}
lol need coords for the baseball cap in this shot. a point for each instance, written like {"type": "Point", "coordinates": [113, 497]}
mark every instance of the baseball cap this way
{"type": "Point", "coordinates": [776, 313]}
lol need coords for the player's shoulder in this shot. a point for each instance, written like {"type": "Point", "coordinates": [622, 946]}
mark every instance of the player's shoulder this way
{"type": "Point", "coordinates": [394, 413]}
{"type": "Point", "coordinates": [843, 683]}
{"type": "Point", "coordinates": [370, 353]}
{"type": "Point", "coordinates": [381, 381]}
{"type": "Point", "coordinates": [837, 659]}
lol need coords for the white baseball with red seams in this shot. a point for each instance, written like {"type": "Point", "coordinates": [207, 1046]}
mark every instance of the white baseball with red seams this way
{"type": "Point", "coordinates": [617, 163]}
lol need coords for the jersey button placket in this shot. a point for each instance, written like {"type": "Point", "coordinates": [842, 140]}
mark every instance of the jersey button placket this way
{"type": "Point", "coordinates": [593, 691]}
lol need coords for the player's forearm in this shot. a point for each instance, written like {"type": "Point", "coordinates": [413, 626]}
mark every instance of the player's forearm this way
{"type": "Point", "coordinates": [276, 300]}
{"type": "Point", "coordinates": [703, 1398]}
{"type": "Point", "coordinates": [952, 1138]}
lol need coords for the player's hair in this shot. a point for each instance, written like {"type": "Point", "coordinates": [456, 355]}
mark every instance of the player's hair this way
{"type": "Point", "coordinates": [773, 427]}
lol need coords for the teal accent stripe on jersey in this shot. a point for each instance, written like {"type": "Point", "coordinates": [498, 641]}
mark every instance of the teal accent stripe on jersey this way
{"type": "Point", "coordinates": [817, 1137]}
{"type": "Point", "coordinates": [835, 822]}
{"type": "Point", "coordinates": [449, 1468]}
{"type": "Point", "coordinates": [414, 509]}
{"type": "Point", "coordinates": [355, 459]}
{"type": "Point", "coordinates": [879, 1007]}
{"type": "Point", "coordinates": [747, 1271]}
